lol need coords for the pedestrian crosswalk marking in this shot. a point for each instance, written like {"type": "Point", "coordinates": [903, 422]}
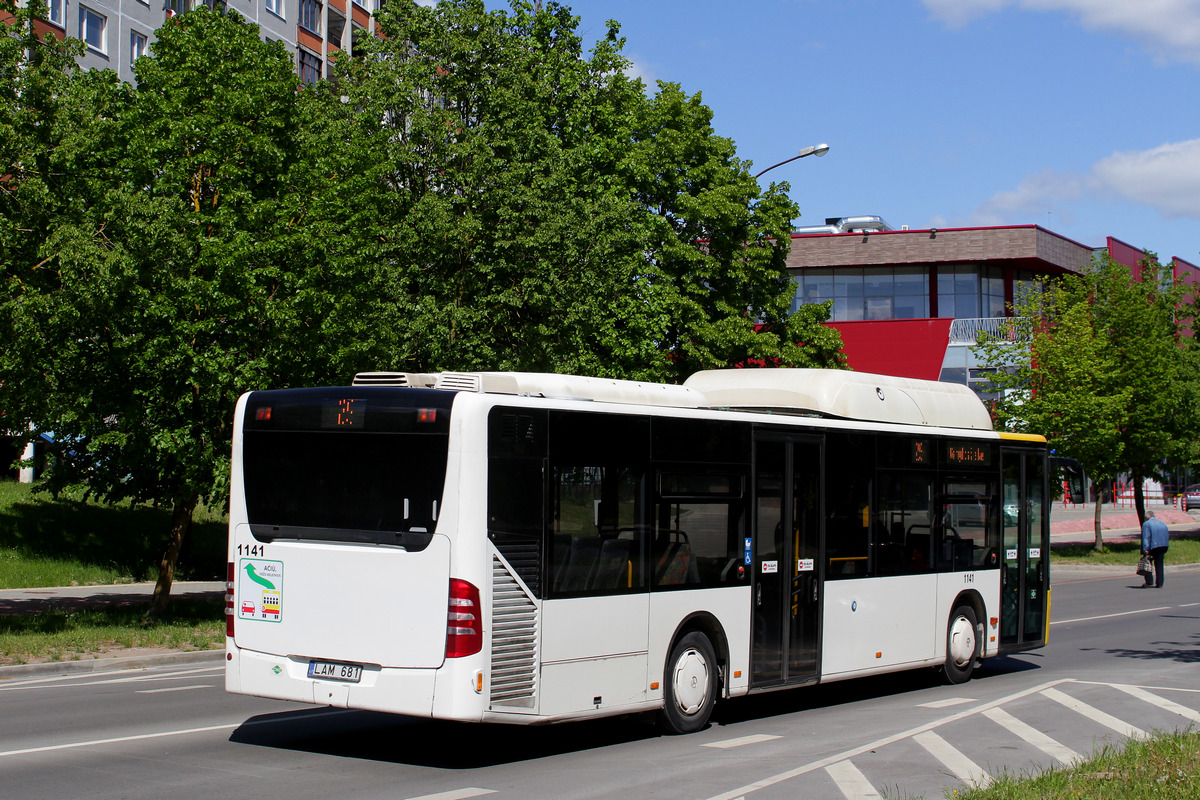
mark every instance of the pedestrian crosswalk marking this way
{"type": "Point", "coordinates": [1095, 714]}
{"type": "Point", "coordinates": [1161, 702]}
{"type": "Point", "coordinates": [740, 741]}
{"type": "Point", "coordinates": [852, 782]}
{"type": "Point", "coordinates": [950, 701]}
{"type": "Point", "coordinates": [963, 768]}
{"type": "Point", "coordinates": [1060, 752]}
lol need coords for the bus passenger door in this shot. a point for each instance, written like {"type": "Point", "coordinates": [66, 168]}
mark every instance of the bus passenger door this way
{"type": "Point", "coordinates": [786, 561]}
{"type": "Point", "coordinates": [1024, 577]}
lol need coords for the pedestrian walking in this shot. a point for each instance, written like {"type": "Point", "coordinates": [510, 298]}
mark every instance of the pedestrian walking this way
{"type": "Point", "coordinates": [1155, 541]}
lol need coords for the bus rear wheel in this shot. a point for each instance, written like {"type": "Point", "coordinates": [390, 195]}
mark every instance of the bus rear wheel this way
{"type": "Point", "coordinates": [689, 685]}
{"type": "Point", "coordinates": [962, 645]}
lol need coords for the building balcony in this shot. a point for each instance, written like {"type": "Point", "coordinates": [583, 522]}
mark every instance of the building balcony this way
{"type": "Point", "coordinates": [966, 331]}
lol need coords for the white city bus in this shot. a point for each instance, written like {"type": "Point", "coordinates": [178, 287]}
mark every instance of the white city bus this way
{"type": "Point", "coordinates": [528, 548]}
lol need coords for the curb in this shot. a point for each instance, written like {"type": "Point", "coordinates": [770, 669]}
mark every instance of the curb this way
{"type": "Point", "coordinates": [110, 664]}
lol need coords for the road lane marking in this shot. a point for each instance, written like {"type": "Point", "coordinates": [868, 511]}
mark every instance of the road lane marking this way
{"type": "Point", "coordinates": [1161, 702]}
{"type": "Point", "coordinates": [947, 703]}
{"type": "Point", "coordinates": [457, 794]}
{"type": "Point", "coordinates": [796, 772]}
{"type": "Point", "coordinates": [1110, 616]}
{"type": "Point", "coordinates": [740, 741]}
{"type": "Point", "coordinates": [118, 740]}
{"type": "Point", "coordinates": [853, 784]}
{"type": "Point", "coordinates": [57, 681]}
{"type": "Point", "coordinates": [287, 718]}
{"type": "Point", "coordinates": [1094, 714]}
{"type": "Point", "coordinates": [953, 759]}
{"type": "Point", "coordinates": [1056, 750]}
{"type": "Point", "coordinates": [175, 689]}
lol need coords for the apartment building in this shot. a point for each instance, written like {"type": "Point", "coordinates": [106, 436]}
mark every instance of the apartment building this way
{"type": "Point", "coordinates": [118, 32]}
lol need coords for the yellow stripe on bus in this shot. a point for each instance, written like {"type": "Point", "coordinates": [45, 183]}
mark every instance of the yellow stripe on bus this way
{"type": "Point", "coordinates": [1023, 437]}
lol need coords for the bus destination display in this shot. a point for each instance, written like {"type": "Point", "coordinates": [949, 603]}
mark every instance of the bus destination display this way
{"type": "Point", "coordinates": [344, 413]}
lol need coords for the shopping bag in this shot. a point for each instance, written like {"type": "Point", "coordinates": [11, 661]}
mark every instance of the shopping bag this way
{"type": "Point", "coordinates": [1144, 567]}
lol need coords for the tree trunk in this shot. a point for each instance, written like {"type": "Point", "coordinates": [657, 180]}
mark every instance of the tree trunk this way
{"type": "Point", "coordinates": [1139, 496]}
{"type": "Point", "coordinates": [181, 521]}
{"type": "Point", "coordinates": [1099, 548]}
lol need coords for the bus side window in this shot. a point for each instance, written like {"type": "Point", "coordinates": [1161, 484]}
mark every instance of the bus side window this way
{"type": "Point", "coordinates": [849, 470]}
{"type": "Point", "coordinates": [699, 529]}
{"type": "Point", "coordinates": [904, 530]}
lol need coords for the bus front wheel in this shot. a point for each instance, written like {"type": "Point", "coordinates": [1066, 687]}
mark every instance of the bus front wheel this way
{"type": "Point", "coordinates": [962, 645]}
{"type": "Point", "coordinates": [689, 685]}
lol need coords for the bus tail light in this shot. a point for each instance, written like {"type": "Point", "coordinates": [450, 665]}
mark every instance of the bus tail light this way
{"type": "Point", "coordinates": [230, 574]}
{"type": "Point", "coordinates": [464, 620]}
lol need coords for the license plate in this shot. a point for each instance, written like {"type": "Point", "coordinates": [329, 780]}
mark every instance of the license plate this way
{"type": "Point", "coordinates": [335, 671]}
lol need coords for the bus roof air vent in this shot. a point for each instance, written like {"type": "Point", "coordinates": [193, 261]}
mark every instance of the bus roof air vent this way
{"type": "Point", "coordinates": [844, 394]}
{"type": "Point", "coordinates": [572, 387]}
{"type": "Point", "coordinates": [410, 379]}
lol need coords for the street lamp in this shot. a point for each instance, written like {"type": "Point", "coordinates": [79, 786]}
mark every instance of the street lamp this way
{"type": "Point", "coordinates": [817, 150]}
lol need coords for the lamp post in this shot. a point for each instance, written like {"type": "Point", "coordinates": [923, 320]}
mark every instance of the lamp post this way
{"type": "Point", "coordinates": [817, 150]}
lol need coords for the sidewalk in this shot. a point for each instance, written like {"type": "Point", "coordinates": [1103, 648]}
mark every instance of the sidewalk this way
{"type": "Point", "coordinates": [31, 601]}
{"type": "Point", "coordinates": [1076, 524]}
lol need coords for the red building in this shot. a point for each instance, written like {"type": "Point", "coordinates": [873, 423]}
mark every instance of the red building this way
{"type": "Point", "coordinates": [910, 302]}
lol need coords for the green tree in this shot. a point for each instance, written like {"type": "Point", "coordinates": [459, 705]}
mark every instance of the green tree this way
{"type": "Point", "coordinates": [523, 207]}
{"type": "Point", "coordinates": [160, 299]}
{"type": "Point", "coordinates": [1101, 365]}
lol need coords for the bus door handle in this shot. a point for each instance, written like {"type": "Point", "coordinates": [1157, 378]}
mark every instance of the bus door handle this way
{"type": "Point", "coordinates": [816, 589]}
{"type": "Point", "coordinates": [758, 594]}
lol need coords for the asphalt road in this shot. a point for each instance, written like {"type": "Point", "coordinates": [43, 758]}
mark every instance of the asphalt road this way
{"type": "Point", "coordinates": [1121, 662]}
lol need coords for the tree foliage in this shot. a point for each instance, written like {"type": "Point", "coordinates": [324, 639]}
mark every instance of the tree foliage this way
{"type": "Point", "coordinates": [472, 193]}
{"type": "Point", "coordinates": [1104, 366]}
{"type": "Point", "coordinates": [539, 211]}
{"type": "Point", "coordinates": [154, 298]}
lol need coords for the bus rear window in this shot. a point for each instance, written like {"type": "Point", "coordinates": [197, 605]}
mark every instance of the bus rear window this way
{"type": "Point", "coordinates": [322, 466]}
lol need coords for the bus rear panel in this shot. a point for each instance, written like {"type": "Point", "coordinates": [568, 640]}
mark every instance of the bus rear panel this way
{"type": "Point", "coordinates": [340, 588]}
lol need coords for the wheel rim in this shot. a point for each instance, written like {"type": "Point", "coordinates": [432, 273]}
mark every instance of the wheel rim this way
{"type": "Point", "coordinates": [689, 680]}
{"type": "Point", "coordinates": [962, 642]}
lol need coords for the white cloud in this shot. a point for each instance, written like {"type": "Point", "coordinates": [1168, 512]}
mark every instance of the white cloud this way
{"type": "Point", "coordinates": [1167, 28]}
{"type": "Point", "coordinates": [640, 69]}
{"type": "Point", "coordinates": [1166, 178]}
{"type": "Point", "coordinates": [959, 12]}
{"type": "Point", "coordinates": [1041, 193]}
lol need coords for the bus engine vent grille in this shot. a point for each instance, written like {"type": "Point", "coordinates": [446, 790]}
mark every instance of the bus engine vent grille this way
{"type": "Point", "coordinates": [514, 641]}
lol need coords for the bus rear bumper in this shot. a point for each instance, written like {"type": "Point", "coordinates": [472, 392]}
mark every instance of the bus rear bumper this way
{"type": "Point", "coordinates": [392, 690]}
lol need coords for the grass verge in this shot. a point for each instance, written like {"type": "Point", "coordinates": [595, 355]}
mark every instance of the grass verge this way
{"type": "Point", "coordinates": [68, 541]}
{"type": "Point", "coordinates": [70, 635]}
{"type": "Point", "coordinates": [1165, 766]}
{"type": "Point", "coordinates": [1184, 550]}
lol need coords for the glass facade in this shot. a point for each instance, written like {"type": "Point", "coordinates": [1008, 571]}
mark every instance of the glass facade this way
{"type": "Point", "coordinates": [970, 291]}
{"type": "Point", "coordinates": [865, 293]}
{"type": "Point", "coordinates": [964, 291]}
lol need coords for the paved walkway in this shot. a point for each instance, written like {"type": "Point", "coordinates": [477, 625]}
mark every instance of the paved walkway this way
{"type": "Point", "coordinates": [30, 601]}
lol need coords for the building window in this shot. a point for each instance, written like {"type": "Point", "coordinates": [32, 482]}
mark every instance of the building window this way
{"type": "Point", "coordinates": [958, 291]}
{"type": "Point", "coordinates": [866, 293]}
{"type": "Point", "coordinates": [54, 11]}
{"type": "Point", "coordinates": [310, 68]}
{"type": "Point", "coordinates": [310, 15]}
{"type": "Point", "coordinates": [137, 46]}
{"type": "Point", "coordinates": [276, 8]}
{"type": "Point", "coordinates": [1026, 286]}
{"type": "Point", "coordinates": [968, 291]}
{"type": "Point", "coordinates": [91, 28]}
{"type": "Point", "coordinates": [176, 7]}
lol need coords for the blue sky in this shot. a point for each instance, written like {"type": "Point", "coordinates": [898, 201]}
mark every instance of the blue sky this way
{"type": "Point", "coordinates": [1082, 116]}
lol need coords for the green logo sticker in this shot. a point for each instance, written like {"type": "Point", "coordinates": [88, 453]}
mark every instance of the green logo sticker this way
{"type": "Point", "coordinates": [260, 590]}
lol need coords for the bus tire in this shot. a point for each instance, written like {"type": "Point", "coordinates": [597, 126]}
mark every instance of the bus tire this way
{"type": "Point", "coordinates": [962, 645]}
{"type": "Point", "coordinates": [689, 685]}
